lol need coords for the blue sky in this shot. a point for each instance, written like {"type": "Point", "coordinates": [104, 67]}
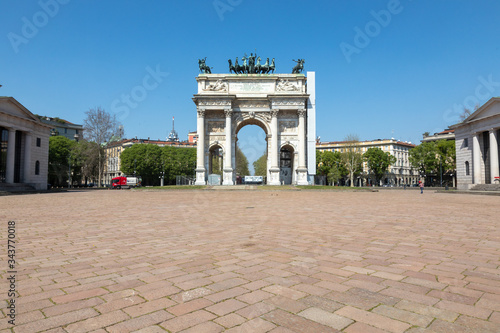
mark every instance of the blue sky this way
{"type": "Point", "coordinates": [383, 68]}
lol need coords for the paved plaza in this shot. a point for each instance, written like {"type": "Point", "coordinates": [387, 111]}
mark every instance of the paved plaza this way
{"type": "Point", "coordinates": [253, 261]}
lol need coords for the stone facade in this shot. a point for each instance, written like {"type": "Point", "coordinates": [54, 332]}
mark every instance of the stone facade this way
{"type": "Point", "coordinates": [278, 103]}
{"type": "Point", "coordinates": [477, 146]}
{"type": "Point", "coordinates": [24, 145]}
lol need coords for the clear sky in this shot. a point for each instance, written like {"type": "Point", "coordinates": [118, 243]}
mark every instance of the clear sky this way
{"type": "Point", "coordinates": [384, 68]}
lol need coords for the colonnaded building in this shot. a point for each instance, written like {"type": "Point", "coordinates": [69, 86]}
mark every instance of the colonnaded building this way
{"type": "Point", "coordinates": [24, 147]}
{"type": "Point", "coordinates": [477, 147]}
{"type": "Point", "coordinates": [283, 105]}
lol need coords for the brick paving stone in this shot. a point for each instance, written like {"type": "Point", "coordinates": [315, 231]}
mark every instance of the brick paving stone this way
{"type": "Point", "coordinates": [148, 307]}
{"type": "Point", "coordinates": [227, 284]}
{"type": "Point", "coordinates": [190, 306]}
{"type": "Point", "coordinates": [427, 310]}
{"type": "Point", "coordinates": [57, 321]}
{"type": "Point", "coordinates": [119, 304]}
{"type": "Point", "coordinates": [296, 323]}
{"type": "Point", "coordinates": [495, 317]}
{"type": "Point", "coordinates": [326, 318]}
{"type": "Point", "coordinates": [361, 298]}
{"type": "Point", "coordinates": [281, 330]}
{"type": "Point", "coordinates": [188, 320]}
{"type": "Point", "coordinates": [411, 296]}
{"type": "Point", "coordinates": [137, 323]}
{"type": "Point", "coordinates": [79, 295]}
{"type": "Point", "coordinates": [225, 307]}
{"type": "Point", "coordinates": [469, 310]}
{"type": "Point", "coordinates": [230, 320]}
{"type": "Point", "coordinates": [477, 325]}
{"type": "Point", "coordinates": [150, 329]}
{"type": "Point", "coordinates": [207, 327]}
{"type": "Point", "coordinates": [284, 291]}
{"type": "Point", "coordinates": [286, 304]}
{"type": "Point", "coordinates": [256, 325]}
{"type": "Point", "coordinates": [373, 319]}
{"type": "Point", "coordinates": [362, 328]}
{"type": "Point", "coordinates": [229, 293]}
{"type": "Point", "coordinates": [91, 324]}
{"type": "Point", "coordinates": [256, 310]}
{"type": "Point", "coordinates": [402, 315]}
{"type": "Point", "coordinates": [254, 296]}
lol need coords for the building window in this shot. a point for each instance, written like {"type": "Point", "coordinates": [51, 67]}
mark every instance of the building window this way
{"type": "Point", "coordinates": [38, 142]}
{"type": "Point", "coordinates": [467, 171]}
{"type": "Point", "coordinates": [466, 142]}
{"type": "Point", "coordinates": [37, 167]}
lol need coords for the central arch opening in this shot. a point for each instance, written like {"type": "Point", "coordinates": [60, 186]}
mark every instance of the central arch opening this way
{"type": "Point", "coordinates": [251, 150]}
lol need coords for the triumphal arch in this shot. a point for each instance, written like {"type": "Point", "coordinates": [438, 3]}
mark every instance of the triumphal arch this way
{"type": "Point", "coordinates": [277, 103]}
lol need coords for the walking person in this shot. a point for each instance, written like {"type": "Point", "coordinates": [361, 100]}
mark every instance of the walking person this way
{"type": "Point", "coordinates": [421, 186]}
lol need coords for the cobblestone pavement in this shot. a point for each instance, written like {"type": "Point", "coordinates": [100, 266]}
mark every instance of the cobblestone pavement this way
{"type": "Point", "coordinates": [253, 261]}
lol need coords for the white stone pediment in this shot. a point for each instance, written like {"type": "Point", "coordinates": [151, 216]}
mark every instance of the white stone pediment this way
{"type": "Point", "coordinates": [489, 109]}
{"type": "Point", "coordinates": [10, 106]}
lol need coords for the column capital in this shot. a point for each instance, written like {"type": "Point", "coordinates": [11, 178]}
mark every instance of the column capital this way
{"type": "Point", "coordinates": [301, 112]}
{"type": "Point", "coordinates": [228, 113]}
{"type": "Point", "coordinates": [201, 112]}
{"type": "Point", "coordinates": [274, 113]}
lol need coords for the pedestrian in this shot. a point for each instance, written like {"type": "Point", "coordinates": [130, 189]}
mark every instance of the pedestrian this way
{"type": "Point", "coordinates": [421, 186]}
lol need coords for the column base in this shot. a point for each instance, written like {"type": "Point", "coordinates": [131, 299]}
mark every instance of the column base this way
{"type": "Point", "coordinates": [274, 177]}
{"type": "Point", "coordinates": [228, 177]}
{"type": "Point", "coordinates": [302, 176]}
{"type": "Point", "coordinates": [200, 177]}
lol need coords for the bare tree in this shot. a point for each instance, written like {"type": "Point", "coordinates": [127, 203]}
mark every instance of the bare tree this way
{"type": "Point", "coordinates": [352, 157]}
{"type": "Point", "coordinates": [99, 127]}
{"type": "Point", "coordinates": [467, 112]}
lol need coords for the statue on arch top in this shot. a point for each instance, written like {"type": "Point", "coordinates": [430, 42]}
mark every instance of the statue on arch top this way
{"type": "Point", "coordinates": [299, 67]}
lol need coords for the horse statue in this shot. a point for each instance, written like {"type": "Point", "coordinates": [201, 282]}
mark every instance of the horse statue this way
{"type": "Point", "coordinates": [231, 67]}
{"type": "Point", "coordinates": [264, 68]}
{"type": "Point", "coordinates": [237, 67]}
{"type": "Point", "coordinates": [299, 67]}
{"type": "Point", "coordinates": [258, 66]}
{"type": "Point", "coordinates": [272, 66]}
{"type": "Point", "coordinates": [204, 69]}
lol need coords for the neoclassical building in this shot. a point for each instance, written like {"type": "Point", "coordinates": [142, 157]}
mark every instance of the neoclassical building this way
{"type": "Point", "coordinates": [477, 146]}
{"type": "Point", "coordinates": [24, 147]}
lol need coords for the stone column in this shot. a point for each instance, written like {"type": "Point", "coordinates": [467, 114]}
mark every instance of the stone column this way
{"type": "Point", "coordinates": [495, 172]}
{"type": "Point", "coordinates": [228, 156]}
{"type": "Point", "coordinates": [11, 150]}
{"type": "Point", "coordinates": [302, 169]}
{"type": "Point", "coordinates": [476, 157]}
{"type": "Point", "coordinates": [200, 149]}
{"type": "Point", "coordinates": [27, 158]}
{"type": "Point", "coordinates": [274, 170]}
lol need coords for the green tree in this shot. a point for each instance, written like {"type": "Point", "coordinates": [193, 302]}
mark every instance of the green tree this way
{"type": "Point", "coordinates": [447, 155]}
{"type": "Point", "coordinates": [60, 149]}
{"type": "Point", "coordinates": [352, 157]}
{"type": "Point", "coordinates": [330, 164]}
{"type": "Point", "coordinates": [378, 162]}
{"type": "Point", "coordinates": [149, 161]}
{"type": "Point", "coordinates": [241, 163]}
{"type": "Point", "coordinates": [142, 160]}
{"type": "Point", "coordinates": [424, 158]}
{"type": "Point", "coordinates": [260, 166]}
